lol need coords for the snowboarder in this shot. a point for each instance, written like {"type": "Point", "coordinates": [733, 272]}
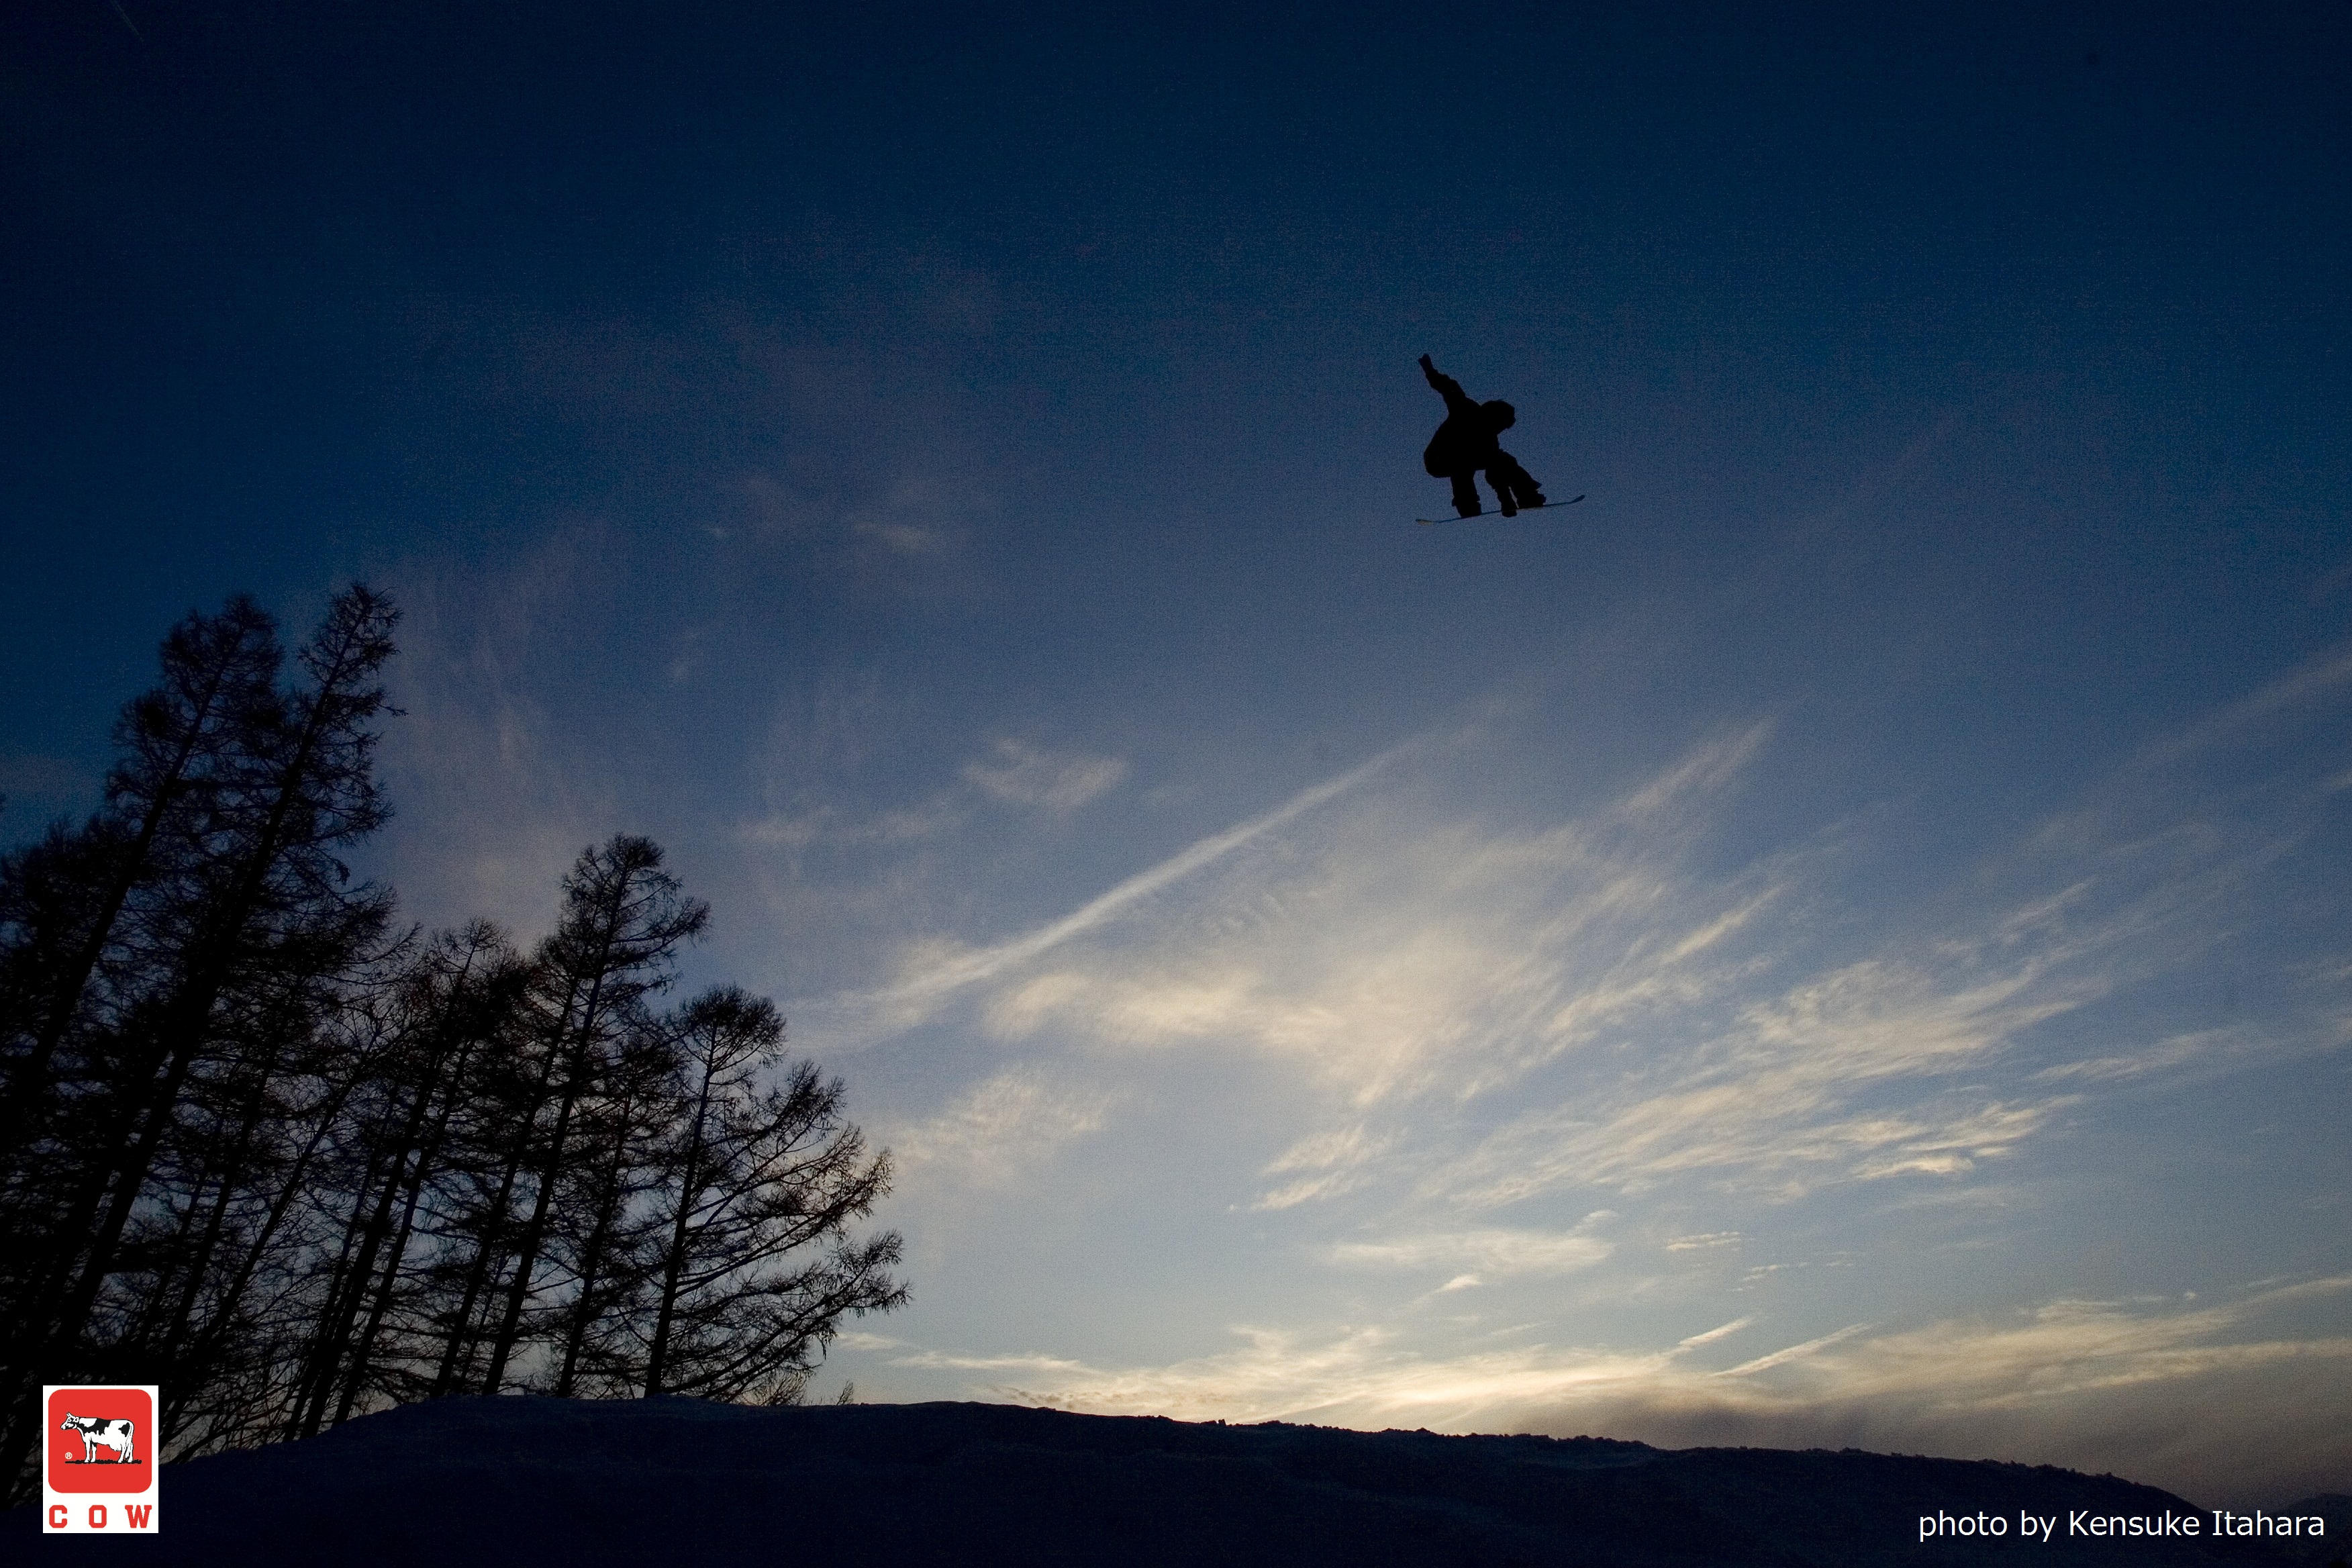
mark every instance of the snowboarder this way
{"type": "Point", "coordinates": [1465, 443]}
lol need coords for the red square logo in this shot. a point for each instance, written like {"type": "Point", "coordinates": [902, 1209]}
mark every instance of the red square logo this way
{"type": "Point", "coordinates": [100, 1440]}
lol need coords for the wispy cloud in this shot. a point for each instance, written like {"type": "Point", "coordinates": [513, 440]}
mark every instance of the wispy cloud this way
{"type": "Point", "coordinates": [1778, 1095]}
{"type": "Point", "coordinates": [476, 753]}
{"type": "Point", "coordinates": [2317, 680]}
{"type": "Point", "coordinates": [1722, 1331]}
{"type": "Point", "coordinates": [1490, 1253]}
{"type": "Point", "coordinates": [1793, 1352]}
{"type": "Point", "coordinates": [1012, 773]}
{"type": "Point", "coordinates": [1019, 773]}
{"type": "Point", "coordinates": [1323, 1165]}
{"type": "Point", "coordinates": [1001, 1128]}
{"type": "Point", "coordinates": [1394, 956]}
{"type": "Point", "coordinates": [1703, 1241]}
{"type": "Point", "coordinates": [935, 972]}
{"type": "Point", "coordinates": [830, 826]}
{"type": "Point", "coordinates": [2210, 1047]}
{"type": "Point", "coordinates": [2068, 1347]}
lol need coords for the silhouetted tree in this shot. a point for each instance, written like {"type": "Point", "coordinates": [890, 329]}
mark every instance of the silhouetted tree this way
{"type": "Point", "coordinates": [457, 1004]}
{"type": "Point", "coordinates": [251, 915]}
{"type": "Point", "coordinates": [88, 918]}
{"type": "Point", "coordinates": [252, 1292]}
{"type": "Point", "coordinates": [603, 1224]}
{"type": "Point", "coordinates": [107, 1031]}
{"type": "Point", "coordinates": [470, 1221]}
{"type": "Point", "coordinates": [623, 919]}
{"type": "Point", "coordinates": [260, 1147]}
{"type": "Point", "coordinates": [756, 1268]}
{"type": "Point", "coordinates": [65, 903]}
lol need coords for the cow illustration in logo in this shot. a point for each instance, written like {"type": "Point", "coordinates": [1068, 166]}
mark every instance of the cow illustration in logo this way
{"type": "Point", "coordinates": [105, 1484]}
{"type": "Point", "coordinates": [97, 1432]}
{"type": "Point", "coordinates": [118, 1433]}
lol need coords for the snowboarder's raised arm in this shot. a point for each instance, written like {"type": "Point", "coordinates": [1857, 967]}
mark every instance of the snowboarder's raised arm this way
{"type": "Point", "coordinates": [1457, 400]}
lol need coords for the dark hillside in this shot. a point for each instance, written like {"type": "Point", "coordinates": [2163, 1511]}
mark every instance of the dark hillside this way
{"type": "Point", "coordinates": [524, 1482]}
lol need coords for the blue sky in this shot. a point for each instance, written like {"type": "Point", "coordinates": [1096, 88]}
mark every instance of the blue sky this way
{"type": "Point", "coordinates": [1838, 938]}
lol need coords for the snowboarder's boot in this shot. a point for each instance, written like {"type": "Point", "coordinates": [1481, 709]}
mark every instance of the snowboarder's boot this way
{"type": "Point", "coordinates": [1465, 494]}
{"type": "Point", "coordinates": [1514, 484]}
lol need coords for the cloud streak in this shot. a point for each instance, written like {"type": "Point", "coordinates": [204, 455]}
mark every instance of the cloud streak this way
{"type": "Point", "coordinates": [1394, 957]}
{"type": "Point", "coordinates": [1776, 1096]}
{"type": "Point", "coordinates": [1489, 1253]}
{"type": "Point", "coordinates": [938, 972]}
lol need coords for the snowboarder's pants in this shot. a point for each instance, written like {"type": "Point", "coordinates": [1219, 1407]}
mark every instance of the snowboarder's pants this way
{"type": "Point", "coordinates": [1511, 482]}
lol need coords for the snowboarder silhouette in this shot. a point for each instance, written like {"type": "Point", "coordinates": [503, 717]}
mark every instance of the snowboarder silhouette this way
{"type": "Point", "coordinates": [1465, 443]}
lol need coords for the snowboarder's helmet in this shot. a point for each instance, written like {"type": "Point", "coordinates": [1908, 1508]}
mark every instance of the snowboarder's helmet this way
{"type": "Point", "coordinates": [1499, 413]}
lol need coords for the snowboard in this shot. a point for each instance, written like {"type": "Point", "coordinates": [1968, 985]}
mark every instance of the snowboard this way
{"type": "Point", "coordinates": [1484, 515]}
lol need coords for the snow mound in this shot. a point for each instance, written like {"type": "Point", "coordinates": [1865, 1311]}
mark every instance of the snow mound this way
{"type": "Point", "coordinates": [523, 1482]}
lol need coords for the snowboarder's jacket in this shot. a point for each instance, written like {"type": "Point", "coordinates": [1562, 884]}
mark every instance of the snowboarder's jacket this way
{"type": "Point", "coordinates": [1469, 439]}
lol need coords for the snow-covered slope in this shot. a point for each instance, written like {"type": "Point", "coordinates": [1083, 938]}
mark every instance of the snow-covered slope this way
{"type": "Point", "coordinates": [523, 1482]}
